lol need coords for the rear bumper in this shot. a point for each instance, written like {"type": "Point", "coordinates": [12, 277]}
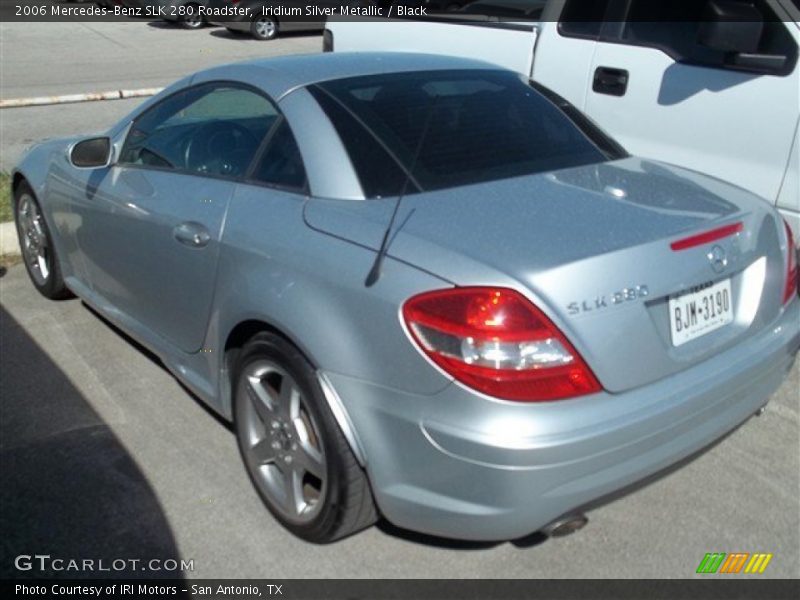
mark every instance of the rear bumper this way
{"type": "Point", "coordinates": [463, 466]}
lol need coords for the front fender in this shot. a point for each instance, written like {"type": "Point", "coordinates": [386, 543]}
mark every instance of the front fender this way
{"type": "Point", "coordinates": [35, 163]}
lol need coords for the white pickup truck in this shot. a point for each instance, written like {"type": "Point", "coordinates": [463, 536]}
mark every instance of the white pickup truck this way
{"type": "Point", "coordinates": [719, 93]}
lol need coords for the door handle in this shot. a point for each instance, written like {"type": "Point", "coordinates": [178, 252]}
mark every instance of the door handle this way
{"type": "Point", "coordinates": [192, 234]}
{"type": "Point", "coordinates": [613, 82]}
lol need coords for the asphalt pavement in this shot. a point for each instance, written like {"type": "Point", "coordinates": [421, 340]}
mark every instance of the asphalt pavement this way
{"type": "Point", "coordinates": [104, 455]}
{"type": "Point", "coordinates": [45, 59]}
{"type": "Point", "coordinates": [22, 127]}
{"type": "Point", "coordinates": [48, 59]}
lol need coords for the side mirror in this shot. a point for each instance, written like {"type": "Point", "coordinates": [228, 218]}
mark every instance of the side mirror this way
{"type": "Point", "coordinates": [731, 26]}
{"type": "Point", "coordinates": [736, 28]}
{"type": "Point", "coordinates": [91, 153]}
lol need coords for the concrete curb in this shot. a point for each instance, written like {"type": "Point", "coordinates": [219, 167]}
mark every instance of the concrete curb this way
{"type": "Point", "coordinates": [9, 244]}
{"type": "Point", "coordinates": [71, 98]}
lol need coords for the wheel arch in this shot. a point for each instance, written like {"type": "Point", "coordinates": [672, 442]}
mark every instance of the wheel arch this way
{"type": "Point", "coordinates": [273, 17]}
{"type": "Point", "coordinates": [17, 177]}
{"type": "Point", "coordinates": [239, 335]}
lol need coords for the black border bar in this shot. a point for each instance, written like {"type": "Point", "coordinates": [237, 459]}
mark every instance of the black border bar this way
{"type": "Point", "coordinates": [710, 588]}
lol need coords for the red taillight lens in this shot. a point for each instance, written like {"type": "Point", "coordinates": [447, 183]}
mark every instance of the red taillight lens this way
{"type": "Point", "coordinates": [495, 341]}
{"type": "Point", "coordinates": [790, 289]}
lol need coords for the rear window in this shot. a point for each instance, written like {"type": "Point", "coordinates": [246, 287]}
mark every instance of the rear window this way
{"type": "Point", "coordinates": [482, 125]}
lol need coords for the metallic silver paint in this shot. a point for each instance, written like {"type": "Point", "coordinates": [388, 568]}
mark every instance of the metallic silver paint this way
{"type": "Point", "coordinates": [440, 457]}
{"type": "Point", "coordinates": [342, 420]}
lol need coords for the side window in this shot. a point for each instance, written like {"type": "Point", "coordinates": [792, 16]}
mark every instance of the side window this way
{"type": "Point", "coordinates": [582, 19]}
{"type": "Point", "coordinates": [212, 129]}
{"type": "Point", "coordinates": [517, 10]}
{"type": "Point", "coordinates": [281, 164]}
{"type": "Point", "coordinates": [678, 28]}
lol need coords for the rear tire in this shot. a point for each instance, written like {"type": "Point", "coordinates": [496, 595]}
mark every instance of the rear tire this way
{"type": "Point", "coordinates": [193, 19]}
{"type": "Point", "coordinates": [36, 244]}
{"type": "Point", "coordinates": [264, 28]}
{"type": "Point", "coordinates": [297, 457]}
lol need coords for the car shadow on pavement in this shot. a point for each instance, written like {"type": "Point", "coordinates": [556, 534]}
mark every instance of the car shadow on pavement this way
{"type": "Point", "coordinates": [174, 25]}
{"type": "Point", "coordinates": [425, 539]}
{"type": "Point", "coordinates": [222, 32]}
{"type": "Point", "coordinates": [161, 24]}
{"type": "Point", "coordinates": [69, 489]}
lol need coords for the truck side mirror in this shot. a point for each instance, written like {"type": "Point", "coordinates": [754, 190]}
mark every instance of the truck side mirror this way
{"type": "Point", "coordinates": [731, 26]}
{"type": "Point", "coordinates": [91, 153]}
{"type": "Point", "coordinates": [736, 28]}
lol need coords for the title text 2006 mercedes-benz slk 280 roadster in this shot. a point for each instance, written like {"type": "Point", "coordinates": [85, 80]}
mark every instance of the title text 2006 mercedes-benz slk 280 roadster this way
{"type": "Point", "coordinates": [420, 286]}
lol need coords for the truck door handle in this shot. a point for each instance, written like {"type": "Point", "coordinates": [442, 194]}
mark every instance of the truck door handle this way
{"type": "Point", "coordinates": [613, 82]}
{"type": "Point", "coordinates": [192, 234]}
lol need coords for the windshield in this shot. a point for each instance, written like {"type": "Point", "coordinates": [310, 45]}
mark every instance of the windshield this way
{"type": "Point", "coordinates": [482, 125]}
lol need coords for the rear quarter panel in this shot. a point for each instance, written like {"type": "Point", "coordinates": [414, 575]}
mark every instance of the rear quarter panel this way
{"type": "Point", "coordinates": [310, 286]}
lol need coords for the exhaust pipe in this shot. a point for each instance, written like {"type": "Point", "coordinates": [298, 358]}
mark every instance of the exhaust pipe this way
{"type": "Point", "coordinates": [565, 525]}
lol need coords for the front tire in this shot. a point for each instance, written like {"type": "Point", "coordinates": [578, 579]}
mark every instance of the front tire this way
{"type": "Point", "coordinates": [297, 457]}
{"type": "Point", "coordinates": [36, 243]}
{"type": "Point", "coordinates": [264, 28]}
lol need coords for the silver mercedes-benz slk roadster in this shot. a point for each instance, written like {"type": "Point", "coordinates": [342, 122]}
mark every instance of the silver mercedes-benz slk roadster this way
{"type": "Point", "coordinates": [421, 287]}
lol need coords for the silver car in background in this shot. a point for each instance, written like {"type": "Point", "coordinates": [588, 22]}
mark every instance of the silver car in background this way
{"type": "Point", "coordinates": [421, 287]}
{"type": "Point", "coordinates": [186, 13]}
{"type": "Point", "coordinates": [266, 19]}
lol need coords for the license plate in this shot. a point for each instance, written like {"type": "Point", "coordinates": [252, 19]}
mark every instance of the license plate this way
{"type": "Point", "coordinates": [699, 311]}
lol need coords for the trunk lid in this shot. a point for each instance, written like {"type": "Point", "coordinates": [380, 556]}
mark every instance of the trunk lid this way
{"type": "Point", "coordinates": [592, 247]}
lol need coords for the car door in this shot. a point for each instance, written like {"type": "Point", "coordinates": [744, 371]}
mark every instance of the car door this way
{"type": "Point", "coordinates": [565, 47]}
{"type": "Point", "coordinates": [659, 87]}
{"type": "Point", "coordinates": [151, 225]}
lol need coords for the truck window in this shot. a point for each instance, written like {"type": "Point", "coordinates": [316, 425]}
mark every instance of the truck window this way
{"type": "Point", "coordinates": [673, 26]}
{"type": "Point", "coordinates": [485, 125]}
{"type": "Point", "coordinates": [518, 10]}
{"type": "Point", "coordinates": [582, 19]}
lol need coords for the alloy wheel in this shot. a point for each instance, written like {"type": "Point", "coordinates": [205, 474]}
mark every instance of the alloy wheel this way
{"type": "Point", "coordinates": [33, 237]}
{"type": "Point", "coordinates": [193, 20]}
{"type": "Point", "coordinates": [266, 28]}
{"type": "Point", "coordinates": [282, 443]}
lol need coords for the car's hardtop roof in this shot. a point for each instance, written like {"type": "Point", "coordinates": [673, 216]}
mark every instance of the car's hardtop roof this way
{"type": "Point", "coordinates": [280, 75]}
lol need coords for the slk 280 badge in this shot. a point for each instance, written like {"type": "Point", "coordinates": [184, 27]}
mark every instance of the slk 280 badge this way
{"type": "Point", "coordinates": [604, 301]}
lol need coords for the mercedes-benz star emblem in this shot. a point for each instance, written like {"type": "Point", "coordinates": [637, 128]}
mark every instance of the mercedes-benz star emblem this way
{"type": "Point", "coordinates": [718, 258]}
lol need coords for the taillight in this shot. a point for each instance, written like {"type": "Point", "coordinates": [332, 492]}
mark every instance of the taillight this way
{"type": "Point", "coordinates": [495, 341]}
{"type": "Point", "coordinates": [790, 289]}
